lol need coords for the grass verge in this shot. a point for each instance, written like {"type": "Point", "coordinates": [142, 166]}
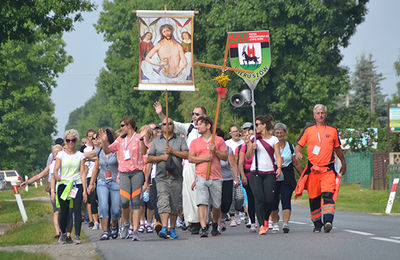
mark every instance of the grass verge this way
{"type": "Point", "coordinates": [19, 255]}
{"type": "Point", "coordinates": [353, 198]}
{"type": "Point", "coordinates": [32, 193]}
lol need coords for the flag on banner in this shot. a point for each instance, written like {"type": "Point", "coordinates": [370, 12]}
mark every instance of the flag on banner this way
{"type": "Point", "coordinates": [250, 51]}
{"type": "Point", "coordinates": [166, 50]}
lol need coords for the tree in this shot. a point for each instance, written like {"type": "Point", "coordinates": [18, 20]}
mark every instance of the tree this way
{"type": "Point", "coordinates": [364, 79]}
{"type": "Point", "coordinates": [20, 19]}
{"type": "Point", "coordinates": [27, 76]}
{"type": "Point", "coordinates": [306, 37]}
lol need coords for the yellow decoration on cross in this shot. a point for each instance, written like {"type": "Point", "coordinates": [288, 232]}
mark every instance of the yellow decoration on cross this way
{"type": "Point", "coordinates": [222, 80]}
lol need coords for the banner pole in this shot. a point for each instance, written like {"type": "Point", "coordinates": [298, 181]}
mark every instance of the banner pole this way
{"type": "Point", "coordinates": [166, 121]}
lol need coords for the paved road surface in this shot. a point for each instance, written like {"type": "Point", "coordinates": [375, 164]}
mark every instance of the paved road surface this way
{"type": "Point", "coordinates": [355, 236]}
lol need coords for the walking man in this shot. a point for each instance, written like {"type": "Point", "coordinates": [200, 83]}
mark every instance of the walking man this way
{"type": "Point", "coordinates": [207, 190]}
{"type": "Point", "coordinates": [319, 177]}
{"type": "Point", "coordinates": [169, 189]}
{"type": "Point", "coordinates": [189, 130]}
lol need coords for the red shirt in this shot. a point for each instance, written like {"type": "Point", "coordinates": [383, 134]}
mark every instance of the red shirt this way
{"type": "Point", "coordinates": [200, 148]}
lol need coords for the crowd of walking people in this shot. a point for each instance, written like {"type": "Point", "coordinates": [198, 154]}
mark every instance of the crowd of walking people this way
{"type": "Point", "coordinates": [169, 175]}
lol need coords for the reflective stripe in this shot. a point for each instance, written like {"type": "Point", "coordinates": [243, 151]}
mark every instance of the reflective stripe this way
{"type": "Point", "coordinates": [328, 208]}
{"type": "Point", "coordinates": [136, 192]}
{"type": "Point", "coordinates": [316, 214]}
{"type": "Point", "coordinates": [125, 194]}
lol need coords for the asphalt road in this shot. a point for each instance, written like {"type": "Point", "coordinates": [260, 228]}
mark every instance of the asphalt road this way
{"type": "Point", "coordinates": [354, 236]}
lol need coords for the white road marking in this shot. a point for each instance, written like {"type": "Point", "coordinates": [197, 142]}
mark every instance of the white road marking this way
{"type": "Point", "coordinates": [359, 232]}
{"type": "Point", "coordinates": [386, 239]}
{"type": "Point", "coordinates": [395, 237]}
{"type": "Point", "coordinates": [297, 222]}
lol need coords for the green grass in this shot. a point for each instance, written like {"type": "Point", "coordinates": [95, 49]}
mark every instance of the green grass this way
{"type": "Point", "coordinates": [32, 193]}
{"type": "Point", "coordinates": [9, 211]}
{"type": "Point", "coordinates": [353, 198]}
{"type": "Point", "coordinates": [19, 255]}
{"type": "Point", "coordinates": [38, 230]}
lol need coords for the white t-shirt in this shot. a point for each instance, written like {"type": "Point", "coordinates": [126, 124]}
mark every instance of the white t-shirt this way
{"type": "Point", "coordinates": [265, 163]}
{"type": "Point", "coordinates": [89, 164]}
{"type": "Point", "coordinates": [233, 144]}
{"type": "Point", "coordinates": [70, 166]}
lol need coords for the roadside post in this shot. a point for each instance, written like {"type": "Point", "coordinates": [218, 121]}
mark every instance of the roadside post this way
{"type": "Point", "coordinates": [391, 196]}
{"type": "Point", "coordinates": [13, 177]}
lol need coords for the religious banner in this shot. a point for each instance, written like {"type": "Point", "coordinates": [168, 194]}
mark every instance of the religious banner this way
{"type": "Point", "coordinates": [166, 50]}
{"type": "Point", "coordinates": [250, 51]}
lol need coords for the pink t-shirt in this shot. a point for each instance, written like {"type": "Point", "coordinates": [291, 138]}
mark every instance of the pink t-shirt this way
{"type": "Point", "coordinates": [200, 148]}
{"type": "Point", "coordinates": [135, 162]}
{"type": "Point", "coordinates": [247, 162]}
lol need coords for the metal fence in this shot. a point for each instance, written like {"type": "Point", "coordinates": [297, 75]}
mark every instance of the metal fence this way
{"type": "Point", "coordinates": [359, 169]}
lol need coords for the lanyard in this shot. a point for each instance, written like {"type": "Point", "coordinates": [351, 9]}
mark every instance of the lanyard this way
{"type": "Point", "coordinates": [126, 145]}
{"type": "Point", "coordinates": [319, 137]}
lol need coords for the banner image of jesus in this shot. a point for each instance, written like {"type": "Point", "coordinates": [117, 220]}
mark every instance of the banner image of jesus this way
{"type": "Point", "coordinates": [165, 61]}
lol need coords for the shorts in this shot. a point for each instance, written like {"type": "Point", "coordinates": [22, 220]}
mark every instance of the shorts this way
{"type": "Point", "coordinates": [169, 196]}
{"type": "Point", "coordinates": [131, 189]}
{"type": "Point", "coordinates": [208, 192]}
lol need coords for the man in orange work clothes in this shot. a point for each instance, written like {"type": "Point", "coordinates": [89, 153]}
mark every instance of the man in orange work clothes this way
{"type": "Point", "coordinates": [319, 177]}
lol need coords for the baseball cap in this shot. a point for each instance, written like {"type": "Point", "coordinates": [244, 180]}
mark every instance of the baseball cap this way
{"type": "Point", "coordinates": [247, 125]}
{"type": "Point", "coordinates": [59, 141]}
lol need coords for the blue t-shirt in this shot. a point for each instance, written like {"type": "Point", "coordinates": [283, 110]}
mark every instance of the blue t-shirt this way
{"type": "Point", "coordinates": [286, 155]}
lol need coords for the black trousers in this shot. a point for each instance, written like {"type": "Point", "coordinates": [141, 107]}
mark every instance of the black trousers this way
{"type": "Point", "coordinates": [66, 212]}
{"type": "Point", "coordinates": [263, 187]}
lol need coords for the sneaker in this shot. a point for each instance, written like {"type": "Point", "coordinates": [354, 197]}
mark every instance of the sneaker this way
{"type": "Point", "coordinates": [57, 236]}
{"type": "Point", "coordinates": [253, 228]}
{"type": "Point", "coordinates": [203, 232]}
{"type": "Point", "coordinates": [233, 223]}
{"type": "Point", "coordinates": [270, 224]}
{"type": "Point", "coordinates": [105, 236]}
{"type": "Point", "coordinates": [223, 225]}
{"type": "Point", "coordinates": [172, 234]}
{"type": "Point", "coordinates": [95, 226]}
{"type": "Point", "coordinates": [184, 227]}
{"type": "Point", "coordinates": [275, 228]}
{"type": "Point", "coordinates": [179, 222]}
{"type": "Point", "coordinates": [317, 229]}
{"type": "Point", "coordinates": [141, 229]}
{"type": "Point", "coordinates": [262, 230]}
{"type": "Point", "coordinates": [158, 227]}
{"type": "Point", "coordinates": [124, 231]}
{"type": "Point", "coordinates": [195, 228]}
{"type": "Point", "coordinates": [248, 222]}
{"type": "Point", "coordinates": [68, 240]}
{"type": "Point", "coordinates": [61, 239]}
{"type": "Point", "coordinates": [130, 232]}
{"type": "Point", "coordinates": [91, 224]}
{"type": "Point", "coordinates": [285, 228]}
{"type": "Point", "coordinates": [238, 219]}
{"type": "Point", "coordinates": [327, 227]}
{"type": "Point", "coordinates": [149, 229]}
{"type": "Point", "coordinates": [135, 235]}
{"type": "Point", "coordinates": [214, 231]}
{"type": "Point", "coordinates": [163, 233]}
{"type": "Point", "coordinates": [77, 240]}
{"type": "Point", "coordinates": [114, 232]}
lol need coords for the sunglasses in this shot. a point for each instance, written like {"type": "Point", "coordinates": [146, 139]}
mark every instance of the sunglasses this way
{"type": "Point", "coordinates": [257, 124]}
{"type": "Point", "coordinates": [194, 113]}
{"type": "Point", "coordinates": [170, 123]}
{"type": "Point", "coordinates": [70, 140]}
{"type": "Point", "coordinates": [122, 125]}
{"type": "Point", "coordinates": [94, 138]}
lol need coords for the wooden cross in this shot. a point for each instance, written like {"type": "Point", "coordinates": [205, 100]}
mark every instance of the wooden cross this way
{"type": "Point", "coordinates": [223, 68]}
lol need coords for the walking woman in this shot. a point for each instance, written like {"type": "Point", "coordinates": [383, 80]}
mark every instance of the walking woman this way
{"type": "Point", "coordinates": [71, 186]}
{"type": "Point", "coordinates": [264, 171]}
{"type": "Point", "coordinates": [106, 172]}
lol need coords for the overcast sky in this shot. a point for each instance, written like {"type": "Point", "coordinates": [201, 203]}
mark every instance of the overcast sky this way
{"type": "Point", "coordinates": [378, 35]}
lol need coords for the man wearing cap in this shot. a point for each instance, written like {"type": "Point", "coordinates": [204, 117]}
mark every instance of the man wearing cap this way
{"type": "Point", "coordinates": [189, 130]}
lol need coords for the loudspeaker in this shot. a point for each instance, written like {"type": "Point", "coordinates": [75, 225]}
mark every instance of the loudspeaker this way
{"type": "Point", "coordinates": [239, 99]}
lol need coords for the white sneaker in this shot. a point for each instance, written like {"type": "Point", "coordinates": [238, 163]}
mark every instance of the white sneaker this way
{"type": "Point", "coordinates": [270, 223]}
{"type": "Point", "coordinates": [233, 223]}
{"type": "Point", "coordinates": [178, 222]}
{"type": "Point", "coordinates": [237, 219]}
{"type": "Point", "coordinates": [95, 226]}
{"type": "Point", "coordinates": [248, 223]}
{"type": "Point", "coordinates": [275, 228]}
{"type": "Point", "coordinates": [253, 228]}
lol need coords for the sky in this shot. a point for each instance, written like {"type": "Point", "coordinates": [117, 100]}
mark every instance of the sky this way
{"type": "Point", "coordinates": [376, 35]}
